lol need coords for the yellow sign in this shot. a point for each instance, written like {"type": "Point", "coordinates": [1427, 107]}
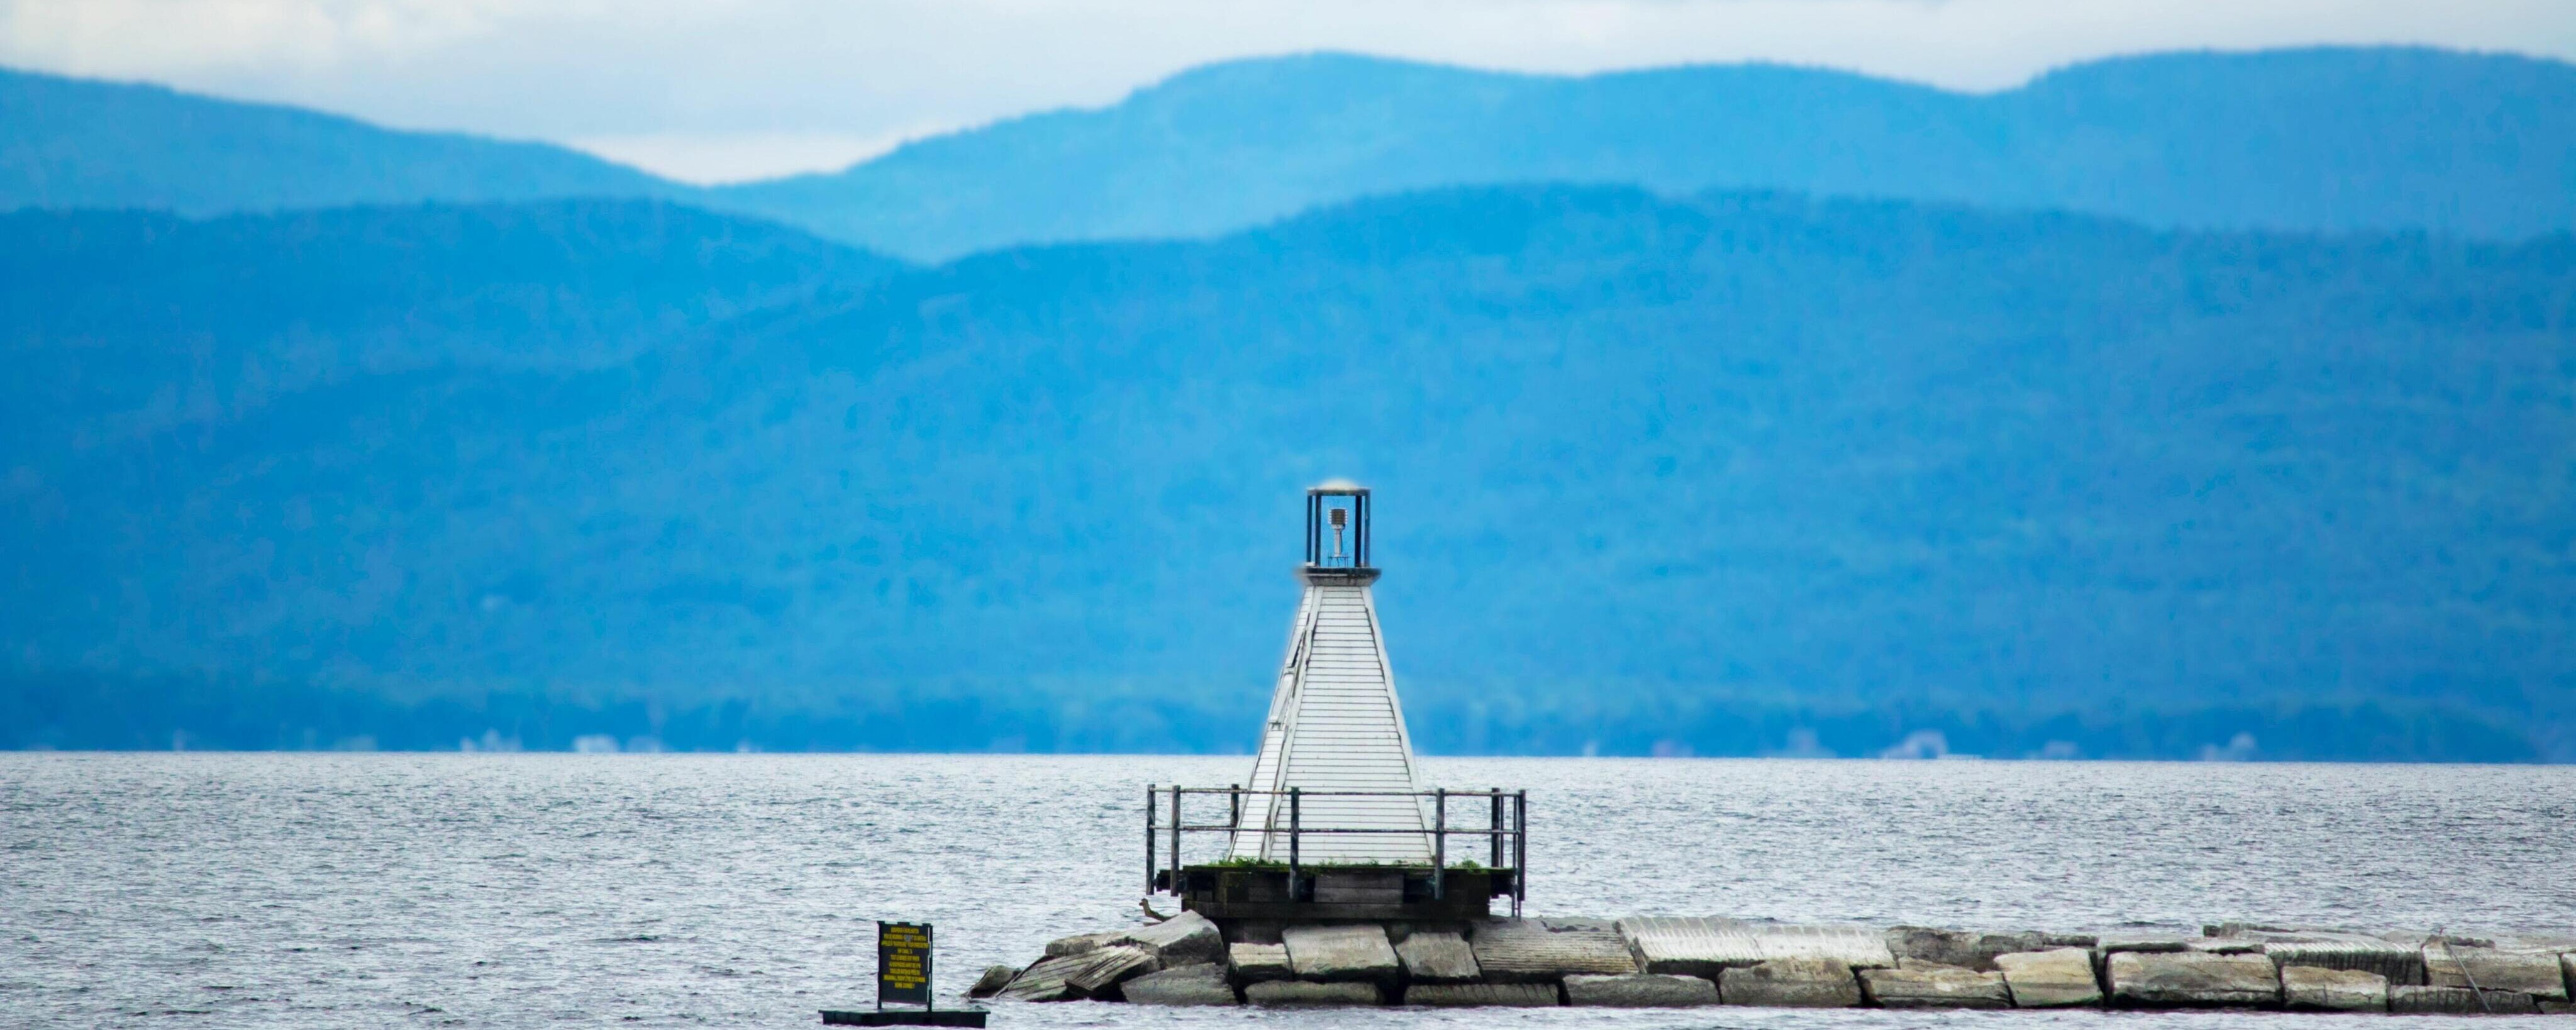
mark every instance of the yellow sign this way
{"type": "Point", "coordinates": [903, 963]}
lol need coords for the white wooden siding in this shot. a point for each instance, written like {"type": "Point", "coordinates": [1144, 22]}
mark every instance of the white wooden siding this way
{"type": "Point", "coordinates": [1335, 724]}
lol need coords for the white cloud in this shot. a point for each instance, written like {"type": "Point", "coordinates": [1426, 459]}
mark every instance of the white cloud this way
{"type": "Point", "coordinates": [709, 158]}
{"type": "Point", "coordinates": [731, 88]}
{"type": "Point", "coordinates": [153, 38]}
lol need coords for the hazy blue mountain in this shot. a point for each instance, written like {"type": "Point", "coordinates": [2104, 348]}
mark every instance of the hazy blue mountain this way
{"type": "Point", "coordinates": [67, 142]}
{"type": "Point", "coordinates": [124, 325]}
{"type": "Point", "coordinates": [2356, 138]}
{"type": "Point", "coordinates": [2301, 139]}
{"type": "Point", "coordinates": [1733, 474]}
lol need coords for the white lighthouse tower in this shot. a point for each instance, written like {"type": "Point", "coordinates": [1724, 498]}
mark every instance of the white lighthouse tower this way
{"type": "Point", "coordinates": [1336, 732]}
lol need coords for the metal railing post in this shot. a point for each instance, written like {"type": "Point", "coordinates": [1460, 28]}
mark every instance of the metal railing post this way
{"type": "Point", "coordinates": [1439, 843]}
{"type": "Point", "coordinates": [1520, 849]}
{"type": "Point", "coordinates": [1506, 831]}
{"type": "Point", "coordinates": [1293, 829]}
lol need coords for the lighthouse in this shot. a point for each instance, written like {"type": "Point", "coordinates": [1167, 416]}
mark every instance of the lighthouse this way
{"type": "Point", "coordinates": [1334, 822]}
{"type": "Point", "coordinates": [1336, 729]}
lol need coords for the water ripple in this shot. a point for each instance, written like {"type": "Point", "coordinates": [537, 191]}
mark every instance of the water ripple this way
{"type": "Point", "coordinates": [669, 890]}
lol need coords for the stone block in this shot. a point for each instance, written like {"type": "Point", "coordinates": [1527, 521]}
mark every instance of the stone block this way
{"type": "Point", "coordinates": [1062, 947]}
{"type": "Point", "coordinates": [1042, 981]}
{"type": "Point", "coordinates": [1185, 939]}
{"type": "Point", "coordinates": [1353, 951]}
{"type": "Point", "coordinates": [2224, 946]}
{"type": "Point", "coordinates": [1696, 946]}
{"type": "Point", "coordinates": [1301, 994]}
{"type": "Point", "coordinates": [2058, 978]}
{"type": "Point", "coordinates": [1545, 950]}
{"type": "Point", "coordinates": [1253, 931]}
{"type": "Point", "coordinates": [991, 983]}
{"type": "Point", "coordinates": [2396, 962]}
{"type": "Point", "coordinates": [1254, 963]}
{"type": "Point", "coordinates": [1791, 983]}
{"type": "Point", "coordinates": [2149, 941]}
{"type": "Point", "coordinates": [1639, 991]}
{"type": "Point", "coordinates": [1438, 957]}
{"type": "Point", "coordinates": [2416, 999]}
{"type": "Point", "coordinates": [2193, 978]}
{"type": "Point", "coordinates": [2414, 939]}
{"type": "Point", "coordinates": [1966, 949]}
{"type": "Point", "coordinates": [1094, 973]}
{"type": "Point", "coordinates": [2410, 999]}
{"type": "Point", "coordinates": [1923, 985]}
{"type": "Point", "coordinates": [2512, 1003]}
{"type": "Point", "coordinates": [1199, 983]}
{"type": "Point", "coordinates": [2317, 989]}
{"type": "Point", "coordinates": [2557, 1008]}
{"type": "Point", "coordinates": [2524, 972]}
{"type": "Point", "coordinates": [1479, 995]}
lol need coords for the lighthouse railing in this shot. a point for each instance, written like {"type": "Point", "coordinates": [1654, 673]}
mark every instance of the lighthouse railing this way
{"type": "Point", "coordinates": [1506, 830]}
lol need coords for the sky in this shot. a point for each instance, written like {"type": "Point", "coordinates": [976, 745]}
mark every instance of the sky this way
{"type": "Point", "coordinates": [729, 90]}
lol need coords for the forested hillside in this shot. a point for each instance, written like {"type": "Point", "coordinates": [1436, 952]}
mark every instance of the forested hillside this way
{"type": "Point", "coordinates": [2362, 138]}
{"type": "Point", "coordinates": [67, 142]}
{"type": "Point", "coordinates": [1734, 474]}
{"type": "Point", "coordinates": [2375, 138]}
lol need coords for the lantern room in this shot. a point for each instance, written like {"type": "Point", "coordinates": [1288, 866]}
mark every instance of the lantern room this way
{"type": "Point", "coordinates": [1337, 528]}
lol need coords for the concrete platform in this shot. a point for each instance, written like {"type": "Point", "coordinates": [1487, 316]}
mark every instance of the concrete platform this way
{"type": "Point", "coordinates": [2057, 978]}
{"type": "Point", "coordinates": [1929, 986]}
{"type": "Point", "coordinates": [1253, 963]}
{"type": "Point", "coordinates": [2534, 973]}
{"type": "Point", "coordinates": [1695, 946]}
{"type": "Point", "coordinates": [2192, 979]}
{"type": "Point", "coordinates": [2396, 962]}
{"type": "Point", "coordinates": [1547, 950]}
{"type": "Point", "coordinates": [2313, 989]}
{"type": "Point", "coordinates": [1639, 991]}
{"type": "Point", "coordinates": [1338, 953]}
{"type": "Point", "coordinates": [1965, 949]}
{"type": "Point", "coordinates": [1805, 983]}
{"type": "Point", "coordinates": [1450, 996]}
{"type": "Point", "coordinates": [2458, 1001]}
{"type": "Point", "coordinates": [1179, 941]}
{"type": "Point", "coordinates": [1301, 994]}
{"type": "Point", "coordinates": [1198, 984]}
{"type": "Point", "coordinates": [1438, 957]}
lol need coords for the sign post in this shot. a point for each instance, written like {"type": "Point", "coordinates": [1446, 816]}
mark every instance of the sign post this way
{"type": "Point", "coordinates": [904, 978]}
{"type": "Point", "coordinates": [903, 964]}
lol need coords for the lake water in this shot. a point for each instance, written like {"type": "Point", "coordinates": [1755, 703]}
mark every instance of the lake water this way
{"type": "Point", "coordinates": [305, 890]}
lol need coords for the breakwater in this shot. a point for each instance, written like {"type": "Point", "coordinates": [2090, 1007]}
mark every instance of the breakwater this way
{"type": "Point", "coordinates": [1663, 961]}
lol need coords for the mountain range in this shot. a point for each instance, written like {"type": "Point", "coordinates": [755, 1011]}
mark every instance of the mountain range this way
{"type": "Point", "coordinates": [2317, 139]}
{"type": "Point", "coordinates": [2184, 405]}
{"type": "Point", "coordinates": [1726, 473]}
{"type": "Point", "coordinates": [72, 143]}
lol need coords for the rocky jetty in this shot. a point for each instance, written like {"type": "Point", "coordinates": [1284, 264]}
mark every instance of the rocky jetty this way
{"type": "Point", "coordinates": [1664, 962]}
